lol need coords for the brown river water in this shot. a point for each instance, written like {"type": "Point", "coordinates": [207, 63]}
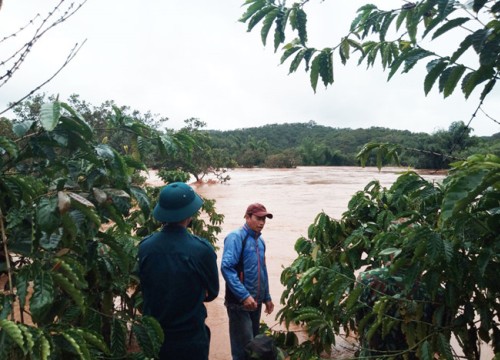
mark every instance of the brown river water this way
{"type": "Point", "coordinates": [295, 197]}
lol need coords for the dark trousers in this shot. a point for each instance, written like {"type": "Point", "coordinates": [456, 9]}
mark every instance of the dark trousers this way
{"type": "Point", "coordinates": [188, 349]}
{"type": "Point", "coordinates": [243, 327]}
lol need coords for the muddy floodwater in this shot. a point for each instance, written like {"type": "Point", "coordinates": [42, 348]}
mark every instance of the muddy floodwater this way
{"type": "Point", "coordinates": [295, 197]}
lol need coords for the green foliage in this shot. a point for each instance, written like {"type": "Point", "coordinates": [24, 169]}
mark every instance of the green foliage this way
{"type": "Point", "coordinates": [370, 36]}
{"type": "Point", "coordinates": [71, 216]}
{"type": "Point", "coordinates": [199, 158]}
{"type": "Point", "coordinates": [439, 242]}
{"type": "Point", "coordinates": [434, 246]}
{"type": "Point", "coordinates": [310, 144]}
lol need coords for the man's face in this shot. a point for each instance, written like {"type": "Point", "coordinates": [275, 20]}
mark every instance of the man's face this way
{"type": "Point", "coordinates": [256, 223]}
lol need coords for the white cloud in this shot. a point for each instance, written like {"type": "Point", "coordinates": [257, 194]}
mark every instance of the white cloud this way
{"type": "Point", "coordinates": [192, 58]}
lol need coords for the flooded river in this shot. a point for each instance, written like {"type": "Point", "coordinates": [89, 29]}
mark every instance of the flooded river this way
{"type": "Point", "coordinates": [295, 197]}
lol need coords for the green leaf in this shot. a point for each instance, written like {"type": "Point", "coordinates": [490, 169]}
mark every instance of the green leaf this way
{"type": "Point", "coordinates": [142, 199]}
{"type": "Point", "coordinates": [474, 78]}
{"type": "Point", "coordinates": [434, 70]}
{"type": "Point", "coordinates": [72, 270]}
{"type": "Point", "coordinates": [105, 151]}
{"type": "Point", "coordinates": [396, 64]}
{"type": "Point", "coordinates": [22, 281]}
{"type": "Point", "coordinates": [412, 25]}
{"type": "Point", "coordinates": [43, 296]}
{"type": "Point", "coordinates": [93, 338]}
{"type": "Point", "coordinates": [252, 9]}
{"type": "Point", "coordinates": [464, 45]}
{"type": "Point", "coordinates": [149, 336]}
{"type": "Point", "coordinates": [353, 297]}
{"type": "Point", "coordinates": [326, 66]}
{"type": "Point", "coordinates": [118, 338]}
{"type": "Point", "coordinates": [301, 17]}
{"type": "Point", "coordinates": [425, 351]}
{"type": "Point", "coordinates": [344, 50]}
{"type": "Point", "coordinates": [445, 347]}
{"type": "Point", "coordinates": [464, 189]}
{"type": "Point", "coordinates": [258, 16]}
{"type": "Point", "coordinates": [402, 16]}
{"type": "Point", "coordinates": [69, 288]}
{"type": "Point", "coordinates": [76, 343]}
{"type": "Point", "coordinates": [484, 258]}
{"type": "Point", "coordinates": [13, 331]}
{"type": "Point", "coordinates": [50, 241]}
{"type": "Point", "coordinates": [121, 257]}
{"type": "Point", "coordinates": [297, 60]}
{"type": "Point", "coordinates": [279, 31]}
{"type": "Point", "coordinates": [47, 215]}
{"type": "Point", "coordinates": [489, 52]}
{"type": "Point", "coordinates": [478, 5]}
{"type": "Point", "coordinates": [413, 56]}
{"type": "Point", "coordinates": [449, 79]}
{"type": "Point", "coordinates": [388, 18]}
{"type": "Point", "coordinates": [268, 22]}
{"type": "Point", "coordinates": [288, 52]}
{"type": "Point", "coordinates": [22, 127]}
{"type": "Point", "coordinates": [315, 71]}
{"type": "Point", "coordinates": [85, 206]}
{"type": "Point", "coordinates": [83, 127]}
{"type": "Point", "coordinates": [49, 115]}
{"type": "Point", "coordinates": [9, 147]}
{"type": "Point", "coordinates": [451, 24]}
{"type": "Point", "coordinates": [479, 38]}
{"type": "Point", "coordinates": [445, 8]}
{"type": "Point", "coordinates": [390, 251]}
{"type": "Point", "coordinates": [487, 88]}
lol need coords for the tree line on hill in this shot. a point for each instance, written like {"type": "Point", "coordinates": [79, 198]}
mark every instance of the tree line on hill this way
{"type": "Point", "coordinates": [275, 146]}
{"type": "Point", "coordinates": [310, 144]}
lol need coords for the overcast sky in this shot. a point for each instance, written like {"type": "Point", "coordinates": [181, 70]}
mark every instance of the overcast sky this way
{"type": "Point", "coordinates": [192, 58]}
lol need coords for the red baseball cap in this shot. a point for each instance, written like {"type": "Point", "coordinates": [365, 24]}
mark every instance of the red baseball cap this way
{"type": "Point", "coordinates": [258, 210]}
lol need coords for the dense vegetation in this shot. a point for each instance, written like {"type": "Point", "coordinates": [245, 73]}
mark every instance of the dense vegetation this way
{"type": "Point", "coordinates": [289, 145]}
{"type": "Point", "coordinates": [410, 269]}
{"type": "Point", "coordinates": [73, 208]}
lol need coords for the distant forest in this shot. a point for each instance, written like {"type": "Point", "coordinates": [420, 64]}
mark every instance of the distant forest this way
{"type": "Point", "coordinates": [310, 144]}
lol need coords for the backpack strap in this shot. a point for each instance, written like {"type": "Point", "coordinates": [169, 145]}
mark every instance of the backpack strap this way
{"type": "Point", "coordinates": [230, 298]}
{"type": "Point", "coordinates": [239, 266]}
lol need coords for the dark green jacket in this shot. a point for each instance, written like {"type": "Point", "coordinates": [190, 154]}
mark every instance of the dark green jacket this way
{"type": "Point", "coordinates": [178, 272]}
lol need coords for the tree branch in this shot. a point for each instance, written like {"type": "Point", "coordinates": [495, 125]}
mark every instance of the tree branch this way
{"type": "Point", "coordinates": [70, 57]}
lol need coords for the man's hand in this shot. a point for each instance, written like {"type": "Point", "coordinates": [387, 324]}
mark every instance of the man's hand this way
{"type": "Point", "coordinates": [249, 303]}
{"type": "Point", "coordinates": [269, 307]}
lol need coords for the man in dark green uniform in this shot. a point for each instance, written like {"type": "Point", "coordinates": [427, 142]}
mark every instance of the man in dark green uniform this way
{"type": "Point", "coordinates": [178, 273]}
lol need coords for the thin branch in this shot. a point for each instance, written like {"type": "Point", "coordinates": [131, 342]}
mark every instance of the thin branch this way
{"type": "Point", "coordinates": [13, 35]}
{"type": "Point", "coordinates": [489, 117]}
{"type": "Point", "coordinates": [70, 57]}
{"type": "Point", "coordinates": [23, 52]}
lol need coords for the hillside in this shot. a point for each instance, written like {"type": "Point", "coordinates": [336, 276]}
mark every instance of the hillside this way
{"type": "Point", "coordinates": [282, 145]}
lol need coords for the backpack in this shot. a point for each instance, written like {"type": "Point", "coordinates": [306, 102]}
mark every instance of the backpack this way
{"type": "Point", "coordinates": [261, 347]}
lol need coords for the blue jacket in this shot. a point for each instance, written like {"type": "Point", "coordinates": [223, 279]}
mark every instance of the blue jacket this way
{"type": "Point", "coordinates": [255, 280]}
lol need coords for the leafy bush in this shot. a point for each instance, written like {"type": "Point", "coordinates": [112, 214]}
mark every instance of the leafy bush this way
{"type": "Point", "coordinates": [442, 238]}
{"type": "Point", "coordinates": [72, 211]}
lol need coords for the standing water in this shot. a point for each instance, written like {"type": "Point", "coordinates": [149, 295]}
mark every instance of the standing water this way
{"type": "Point", "coordinates": [294, 197]}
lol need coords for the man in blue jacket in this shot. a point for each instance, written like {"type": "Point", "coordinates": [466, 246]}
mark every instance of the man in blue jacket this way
{"type": "Point", "coordinates": [178, 273]}
{"type": "Point", "coordinates": [247, 284]}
